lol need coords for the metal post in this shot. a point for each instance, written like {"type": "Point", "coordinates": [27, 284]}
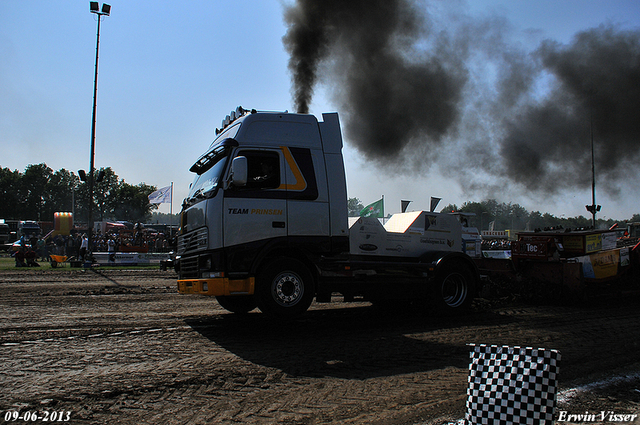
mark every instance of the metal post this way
{"type": "Point", "coordinates": [93, 142]}
{"type": "Point", "coordinates": [171, 214]}
{"type": "Point", "coordinates": [105, 11]}
{"type": "Point", "coordinates": [593, 176]}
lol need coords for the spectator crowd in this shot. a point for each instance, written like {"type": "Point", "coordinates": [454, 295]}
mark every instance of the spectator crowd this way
{"type": "Point", "coordinates": [496, 244]}
{"type": "Point", "coordinates": [77, 245]}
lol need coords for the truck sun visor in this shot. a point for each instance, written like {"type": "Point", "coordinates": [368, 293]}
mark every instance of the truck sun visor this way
{"type": "Point", "coordinates": [206, 160]}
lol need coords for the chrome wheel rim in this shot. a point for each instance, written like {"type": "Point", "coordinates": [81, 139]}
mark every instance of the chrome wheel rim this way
{"type": "Point", "coordinates": [287, 289]}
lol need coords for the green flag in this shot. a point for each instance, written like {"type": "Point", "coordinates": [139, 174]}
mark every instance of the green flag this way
{"type": "Point", "coordinates": [374, 210]}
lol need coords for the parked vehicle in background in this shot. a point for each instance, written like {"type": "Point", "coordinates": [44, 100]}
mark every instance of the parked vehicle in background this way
{"type": "Point", "coordinates": [28, 229]}
{"type": "Point", "coordinates": [4, 234]}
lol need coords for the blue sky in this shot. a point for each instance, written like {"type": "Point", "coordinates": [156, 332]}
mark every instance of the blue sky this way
{"type": "Point", "coordinates": [170, 71]}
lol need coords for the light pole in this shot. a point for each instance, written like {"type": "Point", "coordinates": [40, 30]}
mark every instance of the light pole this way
{"type": "Point", "coordinates": [593, 208]}
{"type": "Point", "coordinates": [94, 7]}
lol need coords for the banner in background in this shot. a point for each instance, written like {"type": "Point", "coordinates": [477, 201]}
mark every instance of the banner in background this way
{"type": "Point", "coordinates": [161, 196]}
{"type": "Point", "coordinates": [375, 209]}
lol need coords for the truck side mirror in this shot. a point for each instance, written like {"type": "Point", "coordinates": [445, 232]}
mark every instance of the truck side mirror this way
{"type": "Point", "coordinates": [239, 171]}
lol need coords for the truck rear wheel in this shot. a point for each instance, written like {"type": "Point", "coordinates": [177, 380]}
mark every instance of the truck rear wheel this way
{"type": "Point", "coordinates": [237, 304]}
{"type": "Point", "coordinates": [454, 287]}
{"type": "Point", "coordinates": [285, 288]}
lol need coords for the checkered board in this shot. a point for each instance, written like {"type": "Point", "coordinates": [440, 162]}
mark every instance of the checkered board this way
{"type": "Point", "coordinates": [511, 385]}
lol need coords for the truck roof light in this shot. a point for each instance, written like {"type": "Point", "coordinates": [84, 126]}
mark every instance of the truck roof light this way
{"type": "Point", "coordinates": [234, 115]}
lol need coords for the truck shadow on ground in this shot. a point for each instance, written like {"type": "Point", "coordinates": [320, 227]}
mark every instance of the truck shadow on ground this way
{"type": "Point", "coordinates": [349, 343]}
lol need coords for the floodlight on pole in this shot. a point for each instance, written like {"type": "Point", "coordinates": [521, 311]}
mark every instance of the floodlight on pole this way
{"type": "Point", "coordinates": [94, 7]}
{"type": "Point", "coordinates": [593, 208]}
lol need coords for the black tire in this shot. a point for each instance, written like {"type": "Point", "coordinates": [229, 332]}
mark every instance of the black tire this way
{"type": "Point", "coordinates": [285, 288]}
{"type": "Point", "coordinates": [237, 304]}
{"type": "Point", "coordinates": [454, 287]}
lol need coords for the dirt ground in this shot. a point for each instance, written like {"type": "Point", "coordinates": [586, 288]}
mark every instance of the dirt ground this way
{"type": "Point", "coordinates": [123, 347]}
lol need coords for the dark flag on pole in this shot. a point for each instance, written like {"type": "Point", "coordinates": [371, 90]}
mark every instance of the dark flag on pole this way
{"type": "Point", "coordinates": [375, 209]}
{"type": "Point", "coordinates": [434, 203]}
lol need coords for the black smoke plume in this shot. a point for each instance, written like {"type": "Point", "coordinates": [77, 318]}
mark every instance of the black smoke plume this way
{"type": "Point", "coordinates": [307, 43]}
{"type": "Point", "coordinates": [596, 93]}
{"type": "Point", "coordinates": [389, 96]}
{"type": "Point", "coordinates": [415, 87]}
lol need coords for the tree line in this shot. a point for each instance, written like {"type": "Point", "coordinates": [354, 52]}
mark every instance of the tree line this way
{"type": "Point", "coordinates": [39, 192]}
{"type": "Point", "coordinates": [502, 216]}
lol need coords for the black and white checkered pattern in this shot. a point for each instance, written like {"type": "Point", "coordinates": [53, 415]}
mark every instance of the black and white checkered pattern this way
{"type": "Point", "coordinates": [511, 385]}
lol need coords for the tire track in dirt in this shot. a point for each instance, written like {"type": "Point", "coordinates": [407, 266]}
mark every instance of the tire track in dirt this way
{"type": "Point", "coordinates": [148, 355]}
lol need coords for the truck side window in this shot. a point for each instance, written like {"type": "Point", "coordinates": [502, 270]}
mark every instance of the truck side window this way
{"type": "Point", "coordinates": [263, 169]}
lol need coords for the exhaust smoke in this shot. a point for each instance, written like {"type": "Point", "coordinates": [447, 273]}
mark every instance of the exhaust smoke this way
{"type": "Point", "coordinates": [416, 84]}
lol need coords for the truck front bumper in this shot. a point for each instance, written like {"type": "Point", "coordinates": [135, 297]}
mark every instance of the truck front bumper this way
{"type": "Point", "coordinates": [219, 286]}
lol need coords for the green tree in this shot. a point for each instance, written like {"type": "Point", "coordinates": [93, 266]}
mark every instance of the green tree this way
{"type": "Point", "coordinates": [354, 206]}
{"type": "Point", "coordinates": [575, 222]}
{"type": "Point", "coordinates": [133, 203]}
{"type": "Point", "coordinates": [105, 195]}
{"type": "Point", "coordinates": [483, 213]}
{"type": "Point", "coordinates": [9, 195]}
{"type": "Point", "coordinates": [164, 218]}
{"type": "Point", "coordinates": [449, 208]}
{"type": "Point", "coordinates": [34, 193]}
{"type": "Point", "coordinates": [536, 221]}
{"type": "Point", "coordinates": [482, 216]}
{"type": "Point", "coordinates": [38, 193]}
{"type": "Point", "coordinates": [518, 216]}
{"type": "Point", "coordinates": [61, 190]}
{"type": "Point", "coordinates": [550, 220]}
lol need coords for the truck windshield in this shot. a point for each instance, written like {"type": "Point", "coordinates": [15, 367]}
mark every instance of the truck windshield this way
{"type": "Point", "coordinates": [210, 166]}
{"type": "Point", "coordinates": [206, 183]}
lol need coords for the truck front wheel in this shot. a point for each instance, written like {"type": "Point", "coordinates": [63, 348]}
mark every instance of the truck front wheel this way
{"type": "Point", "coordinates": [454, 287]}
{"type": "Point", "coordinates": [284, 288]}
{"type": "Point", "coordinates": [237, 303]}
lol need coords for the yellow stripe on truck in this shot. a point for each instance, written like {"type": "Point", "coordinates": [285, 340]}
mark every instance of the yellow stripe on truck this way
{"type": "Point", "coordinates": [300, 184]}
{"type": "Point", "coordinates": [219, 286]}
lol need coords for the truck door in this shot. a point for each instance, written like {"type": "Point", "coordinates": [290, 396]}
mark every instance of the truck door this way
{"type": "Point", "coordinates": [308, 206]}
{"type": "Point", "coordinates": [257, 211]}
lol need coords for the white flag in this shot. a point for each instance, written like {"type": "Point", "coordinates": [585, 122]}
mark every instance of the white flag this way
{"type": "Point", "coordinates": [161, 196]}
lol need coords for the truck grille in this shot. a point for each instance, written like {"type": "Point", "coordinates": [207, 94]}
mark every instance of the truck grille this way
{"type": "Point", "coordinates": [193, 241]}
{"type": "Point", "coordinates": [189, 268]}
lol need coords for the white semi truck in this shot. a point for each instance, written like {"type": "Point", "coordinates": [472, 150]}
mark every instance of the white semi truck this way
{"type": "Point", "coordinates": [265, 225]}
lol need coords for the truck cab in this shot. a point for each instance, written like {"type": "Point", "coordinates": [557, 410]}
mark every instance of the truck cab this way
{"type": "Point", "coordinates": [270, 185]}
{"type": "Point", "coordinates": [265, 223]}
